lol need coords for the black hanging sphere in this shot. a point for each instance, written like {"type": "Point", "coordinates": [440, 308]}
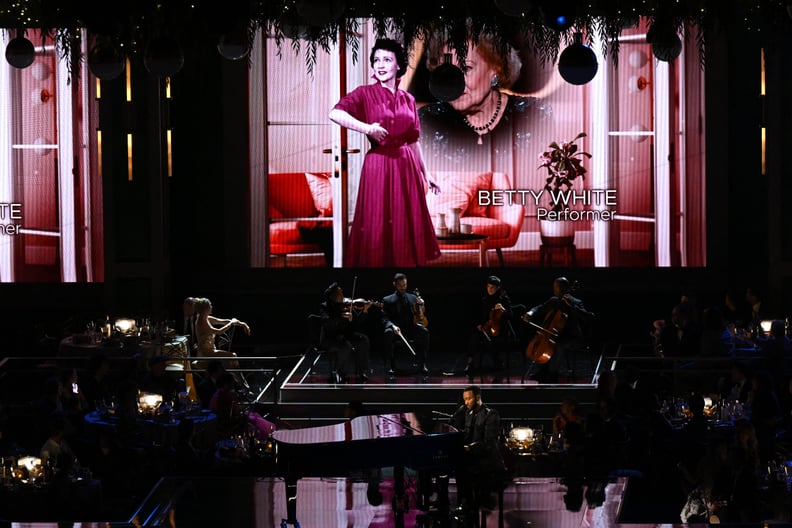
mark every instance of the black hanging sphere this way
{"type": "Point", "coordinates": [20, 52]}
{"type": "Point", "coordinates": [666, 45]}
{"type": "Point", "coordinates": [577, 64]}
{"type": "Point", "coordinates": [233, 45]}
{"type": "Point", "coordinates": [447, 82]}
{"type": "Point", "coordinates": [163, 57]}
{"type": "Point", "coordinates": [106, 62]}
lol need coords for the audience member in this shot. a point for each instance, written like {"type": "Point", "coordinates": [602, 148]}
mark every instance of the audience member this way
{"type": "Point", "coordinates": [158, 381]}
{"type": "Point", "coordinates": [765, 413]}
{"type": "Point", "coordinates": [208, 384]}
{"type": "Point", "coordinates": [716, 339]}
{"type": "Point", "coordinates": [743, 504]}
{"type": "Point", "coordinates": [569, 422]}
{"type": "Point", "coordinates": [56, 453]}
{"type": "Point", "coordinates": [96, 384]}
{"type": "Point", "coordinates": [739, 384]}
{"type": "Point", "coordinates": [693, 438]}
{"type": "Point", "coordinates": [680, 336]}
{"type": "Point", "coordinates": [72, 398]}
{"type": "Point", "coordinates": [607, 440]}
{"type": "Point", "coordinates": [776, 347]}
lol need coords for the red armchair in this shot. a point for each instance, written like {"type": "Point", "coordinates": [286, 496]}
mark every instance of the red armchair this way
{"type": "Point", "coordinates": [501, 223]}
{"type": "Point", "coordinates": [300, 212]}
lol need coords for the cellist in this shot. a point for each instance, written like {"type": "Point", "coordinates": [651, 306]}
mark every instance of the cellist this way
{"type": "Point", "coordinates": [570, 335]}
{"type": "Point", "coordinates": [492, 325]}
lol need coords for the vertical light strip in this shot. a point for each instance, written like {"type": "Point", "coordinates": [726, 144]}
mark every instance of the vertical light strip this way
{"type": "Point", "coordinates": [99, 153]}
{"type": "Point", "coordinates": [168, 129]}
{"type": "Point", "coordinates": [170, 153]}
{"type": "Point", "coordinates": [129, 156]}
{"type": "Point", "coordinates": [98, 88]}
{"type": "Point", "coordinates": [128, 81]}
{"type": "Point", "coordinates": [764, 129]}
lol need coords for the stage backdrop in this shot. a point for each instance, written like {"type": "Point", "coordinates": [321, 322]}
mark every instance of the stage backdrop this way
{"type": "Point", "coordinates": [641, 202]}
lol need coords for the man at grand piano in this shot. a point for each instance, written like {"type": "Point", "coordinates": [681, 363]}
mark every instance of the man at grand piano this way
{"type": "Point", "coordinates": [482, 467]}
{"type": "Point", "coordinates": [402, 316]}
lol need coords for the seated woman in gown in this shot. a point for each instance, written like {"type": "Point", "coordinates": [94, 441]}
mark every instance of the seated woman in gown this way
{"type": "Point", "coordinates": [207, 327]}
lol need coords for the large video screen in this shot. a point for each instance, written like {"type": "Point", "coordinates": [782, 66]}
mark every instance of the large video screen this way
{"type": "Point", "coordinates": [636, 129]}
{"type": "Point", "coordinates": [51, 221]}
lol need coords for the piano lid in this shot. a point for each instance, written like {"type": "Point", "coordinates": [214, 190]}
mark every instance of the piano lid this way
{"type": "Point", "coordinates": [363, 428]}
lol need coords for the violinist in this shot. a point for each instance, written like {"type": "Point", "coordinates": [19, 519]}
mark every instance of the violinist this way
{"type": "Point", "coordinates": [492, 330]}
{"type": "Point", "coordinates": [571, 337]}
{"type": "Point", "coordinates": [342, 335]}
{"type": "Point", "coordinates": [402, 315]}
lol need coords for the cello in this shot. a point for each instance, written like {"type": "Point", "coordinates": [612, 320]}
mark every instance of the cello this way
{"type": "Point", "coordinates": [492, 328]}
{"type": "Point", "coordinates": [542, 346]}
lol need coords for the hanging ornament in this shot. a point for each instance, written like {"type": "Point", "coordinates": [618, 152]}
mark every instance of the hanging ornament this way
{"type": "Point", "coordinates": [163, 57]}
{"type": "Point", "coordinates": [105, 61]}
{"type": "Point", "coordinates": [20, 52]}
{"type": "Point", "coordinates": [578, 63]}
{"type": "Point", "coordinates": [233, 45]}
{"type": "Point", "coordinates": [666, 45]}
{"type": "Point", "coordinates": [447, 82]}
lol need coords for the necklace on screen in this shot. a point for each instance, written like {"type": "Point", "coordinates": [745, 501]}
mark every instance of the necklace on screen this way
{"type": "Point", "coordinates": [483, 129]}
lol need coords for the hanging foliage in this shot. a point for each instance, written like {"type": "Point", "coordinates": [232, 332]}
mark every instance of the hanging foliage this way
{"type": "Point", "coordinates": [311, 26]}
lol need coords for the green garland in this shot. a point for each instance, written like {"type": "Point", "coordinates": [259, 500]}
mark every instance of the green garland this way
{"type": "Point", "coordinates": [131, 23]}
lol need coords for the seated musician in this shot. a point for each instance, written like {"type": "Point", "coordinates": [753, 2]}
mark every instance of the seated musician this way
{"type": "Point", "coordinates": [208, 326]}
{"type": "Point", "coordinates": [491, 331]}
{"type": "Point", "coordinates": [571, 336]}
{"type": "Point", "coordinates": [188, 323]}
{"type": "Point", "coordinates": [342, 335]}
{"type": "Point", "coordinates": [482, 465]}
{"type": "Point", "coordinates": [399, 311]}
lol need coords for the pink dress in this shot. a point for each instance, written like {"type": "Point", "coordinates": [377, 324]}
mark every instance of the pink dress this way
{"type": "Point", "coordinates": [392, 226]}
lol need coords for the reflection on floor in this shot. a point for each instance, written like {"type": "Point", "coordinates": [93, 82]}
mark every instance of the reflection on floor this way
{"type": "Point", "coordinates": [535, 502]}
{"type": "Point", "coordinates": [343, 503]}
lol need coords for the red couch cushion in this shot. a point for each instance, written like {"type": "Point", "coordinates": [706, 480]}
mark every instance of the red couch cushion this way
{"type": "Point", "coordinates": [289, 193]}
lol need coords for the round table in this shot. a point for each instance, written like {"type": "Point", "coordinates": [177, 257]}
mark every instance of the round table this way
{"type": "Point", "coordinates": [164, 432]}
{"type": "Point", "coordinates": [83, 345]}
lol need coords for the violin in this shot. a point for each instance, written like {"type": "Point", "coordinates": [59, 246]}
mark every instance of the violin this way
{"type": "Point", "coordinates": [349, 304]}
{"type": "Point", "coordinates": [419, 312]}
{"type": "Point", "coordinates": [361, 304]}
{"type": "Point", "coordinates": [492, 328]}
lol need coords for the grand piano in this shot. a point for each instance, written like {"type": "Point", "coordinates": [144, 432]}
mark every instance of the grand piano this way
{"type": "Point", "coordinates": [405, 440]}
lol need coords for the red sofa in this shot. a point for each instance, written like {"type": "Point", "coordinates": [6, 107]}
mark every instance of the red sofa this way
{"type": "Point", "coordinates": [300, 212]}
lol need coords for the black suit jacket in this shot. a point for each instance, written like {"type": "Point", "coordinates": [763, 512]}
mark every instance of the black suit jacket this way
{"type": "Point", "coordinates": [398, 310]}
{"type": "Point", "coordinates": [482, 436]}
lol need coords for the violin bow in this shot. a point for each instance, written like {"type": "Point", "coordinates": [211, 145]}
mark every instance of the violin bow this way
{"type": "Point", "coordinates": [407, 343]}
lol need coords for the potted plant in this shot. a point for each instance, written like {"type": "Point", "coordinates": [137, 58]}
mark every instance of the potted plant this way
{"type": "Point", "coordinates": [564, 164]}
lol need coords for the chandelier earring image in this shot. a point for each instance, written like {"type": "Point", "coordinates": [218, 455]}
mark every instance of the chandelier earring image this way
{"type": "Point", "coordinates": [495, 81]}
